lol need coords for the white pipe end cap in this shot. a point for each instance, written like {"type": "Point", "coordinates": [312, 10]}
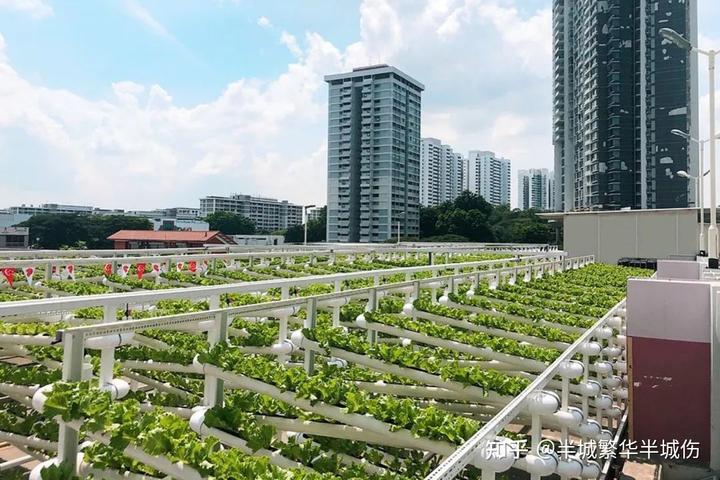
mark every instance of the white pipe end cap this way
{"type": "Point", "coordinates": [571, 369]}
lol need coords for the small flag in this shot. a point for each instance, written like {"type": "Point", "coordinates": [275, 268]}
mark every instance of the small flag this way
{"type": "Point", "coordinates": [156, 268]}
{"type": "Point", "coordinates": [179, 266]}
{"type": "Point", "coordinates": [107, 269]}
{"type": "Point", "coordinates": [9, 274]}
{"type": "Point", "coordinates": [192, 266]}
{"type": "Point", "coordinates": [124, 270]}
{"type": "Point", "coordinates": [70, 271]}
{"type": "Point", "coordinates": [140, 268]}
{"type": "Point", "coordinates": [29, 272]}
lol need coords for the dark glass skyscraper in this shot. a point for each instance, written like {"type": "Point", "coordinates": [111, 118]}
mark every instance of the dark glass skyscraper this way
{"type": "Point", "coordinates": [619, 90]}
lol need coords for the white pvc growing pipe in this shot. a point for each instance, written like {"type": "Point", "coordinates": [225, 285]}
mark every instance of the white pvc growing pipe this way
{"type": "Point", "coordinates": [346, 432]}
{"type": "Point", "coordinates": [32, 442]}
{"type": "Point", "coordinates": [412, 391]}
{"type": "Point", "coordinates": [179, 471]}
{"type": "Point", "coordinates": [528, 321]}
{"type": "Point", "coordinates": [44, 340]}
{"type": "Point", "coordinates": [197, 424]}
{"type": "Point", "coordinates": [483, 352]}
{"type": "Point", "coordinates": [332, 412]}
{"type": "Point", "coordinates": [471, 392]}
{"type": "Point", "coordinates": [22, 390]}
{"type": "Point", "coordinates": [109, 341]}
{"type": "Point", "coordinates": [561, 346]}
{"type": "Point", "coordinates": [157, 366]}
{"type": "Point", "coordinates": [157, 385]}
{"type": "Point", "coordinates": [22, 352]}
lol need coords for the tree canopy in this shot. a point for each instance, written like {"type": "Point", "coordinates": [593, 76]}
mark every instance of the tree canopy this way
{"type": "Point", "coordinates": [58, 230]}
{"type": "Point", "coordinates": [230, 223]}
{"type": "Point", "coordinates": [472, 218]}
{"type": "Point", "coordinates": [317, 230]}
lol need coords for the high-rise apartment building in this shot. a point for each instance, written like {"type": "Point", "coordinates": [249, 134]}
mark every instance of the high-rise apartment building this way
{"type": "Point", "coordinates": [488, 176]}
{"type": "Point", "coordinates": [619, 90]}
{"type": "Point", "coordinates": [373, 155]}
{"type": "Point", "coordinates": [441, 173]}
{"type": "Point", "coordinates": [268, 214]}
{"type": "Point", "coordinates": [535, 189]}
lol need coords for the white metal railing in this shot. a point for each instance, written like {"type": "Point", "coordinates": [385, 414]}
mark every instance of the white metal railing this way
{"type": "Point", "coordinates": [215, 321]}
{"type": "Point", "coordinates": [114, 299]}
{"type": "Point", "coordinates": [270, 250]}
{"type": "Point", "coordinates": [589, 342]}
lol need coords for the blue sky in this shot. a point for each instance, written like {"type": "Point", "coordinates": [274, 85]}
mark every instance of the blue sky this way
{"type": "Point", "coordinates": [194, 49]}
{"type": "Point", "coordinates": [154, 103]}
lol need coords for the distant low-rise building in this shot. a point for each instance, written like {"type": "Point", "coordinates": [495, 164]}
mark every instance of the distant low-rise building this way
{"type": "Point", "coordinates": [179, 213]}
{"type": "Point", "coordinates": [259, 240]}
{"type": "Point", "coordinates": [170, 223]}
{"type": "Point", "coordinates": [176, 218]}
{"type": "Point", "coordinates": [60, 208]}
{"type": "Point", "coordinates": [268, 214]}
{"type": "Point", "coordinates": [314, 213]}
{"type": "Point", "coordinates": [15, 238]}
{"type": "Point", "coordinates": [133, 239]}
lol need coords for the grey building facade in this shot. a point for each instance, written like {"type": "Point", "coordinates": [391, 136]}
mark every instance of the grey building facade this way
{"type": "Point", "coordinates": [489, 176]}
{"type": "Point", "coordinates": [619, 90]}
{"type": "Point", "coordinates": [268, 214]}
{"type": "Point", "coordinates": [373, 155]}
{"type": "Point", "coordinates": [441, 173]}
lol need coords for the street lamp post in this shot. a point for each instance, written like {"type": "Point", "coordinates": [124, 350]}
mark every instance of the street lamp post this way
{"type": "Point", "coordinates": [699, 182]}
{"type": "Point", "coordinates": [674, 37]}
{"type": "Point", "coordinates": [698, 205]}
{"type": "Point", "coordinates": [305, 209]}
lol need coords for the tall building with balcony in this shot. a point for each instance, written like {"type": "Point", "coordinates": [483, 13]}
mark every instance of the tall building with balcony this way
{"type": "Point", "coordinates": [373, 155]}
{"type": "Point", "coordinates": [619, 90]}
{"type": "Point", "coordinates": [441, 173]}
{"type": "Point", "coordinates": [535, 189]}
{"type": "Point", "coordinates": [488, 176]}
{"type": "Point", "coordinates": [268, 214]}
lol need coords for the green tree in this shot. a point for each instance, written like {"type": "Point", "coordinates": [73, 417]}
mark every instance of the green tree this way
{"type": "Point", "coordinates": [230, 223]}
{"type": "Point", "coordinates": [54, 231]}
{"type": "Point", "coordinates": [317, 230]}
{"type": "Point", "coordinates": [469, 216]}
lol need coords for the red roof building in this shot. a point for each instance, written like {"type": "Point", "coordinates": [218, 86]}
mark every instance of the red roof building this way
{"type": "Point", "coordinates": [131, 239]}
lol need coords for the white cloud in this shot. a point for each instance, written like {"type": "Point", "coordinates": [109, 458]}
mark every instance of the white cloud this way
{"type": "Point", "coordinates": [291, 43]}
{"type": "Point", "coordinates": [3, 55]}
{"type": "Point", "coordinates": [142, 14]}
{"type": "Point", "coordinates": [264, 22]}
{"type": "Point", "coordinates": [509, 125]}
{"type": "Point", "coordinates": [487, 88]}
{"type": "Point", "coordinates": [36, 8]}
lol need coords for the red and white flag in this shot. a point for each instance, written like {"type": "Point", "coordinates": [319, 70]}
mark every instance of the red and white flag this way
{"type": "Point", "coordinates": [124, 270]}
{"type": "Point", "coordinates": [179, 266]}
{"type": "Point", "coordinates": [156, 268]}
{"type": "Point", "coordinates": [9, 274]}
{"type": "Point", "coordinates": [107, 269]}
{"type": "Point", "coordinates": [192, 266]}
{"type": "Point", "coordinates": [29, 272]}
{"type": "Point", "coordinates": [140, 269]}
{"type": "Point", "coordinates": [70, 271]}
